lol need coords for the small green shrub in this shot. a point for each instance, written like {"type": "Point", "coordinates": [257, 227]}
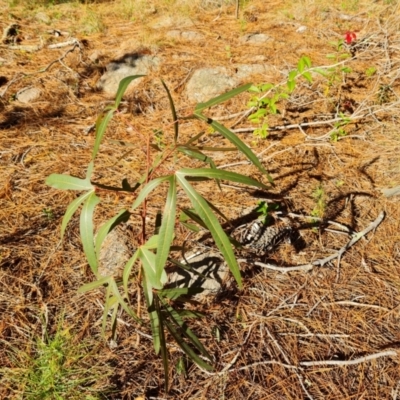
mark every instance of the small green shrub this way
{"type": "Point", "coordinates": [151, 257]}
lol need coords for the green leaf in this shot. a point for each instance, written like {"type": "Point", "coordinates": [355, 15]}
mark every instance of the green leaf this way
{"type": "Point", "coordinates": [291, 85]}
{"type": "Point", "coordinates": [173, 110]}
{"type": "Point", "coordinates": [148, 188]}
{"type": "Point", "coordinates": [154, 316]}
{"type": "Point", "coordinates": [67, 182]}
{"type": "Point", "coordinates": [152, 243]}
{"type": "Point", "coordinates": [307, 76]}
{"type": "Point", "coordinates": [73, 206]}
{"type": "Point", "coordinates": [186, 348]}
{"type": "Point", "coordinates": [127, 270]}
{"type": "Point", "coordinates": [292, 75]}
{"type": "Point", "coordinates": [166, 229]}
{"type": "Point", "coordinates": [86, 230]}
{"type": "Point", "coordinates": [218, 234]}
{"type": "Point", "coordinates": [123, 85]}
{"type": "Point", "coordinates": [240, 146]}
{"type": "Point", "coordinates": [223, 97]}
{"type": "Point", "coordinates": [122, 216]}
{"type": "Point", "coordinates": [212, 173]}
{"type": "Point", "coordinates": [177, 320]}
{"type": "Point", "coordinates": [94, 285]}
{"type": "Point", "coordinates": [121, 301]}
{"type": "Point", "coordinates": [301, 65]}
{"type": "Point", "coordinates": [101, 126]}
{"type": "Point", "coordinates": [148, 259]}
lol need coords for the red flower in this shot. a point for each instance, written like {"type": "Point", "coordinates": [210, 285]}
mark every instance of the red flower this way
{"type": "Point", "coordinates": [350, 37]}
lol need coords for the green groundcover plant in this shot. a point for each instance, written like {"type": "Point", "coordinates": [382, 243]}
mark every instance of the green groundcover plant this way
{"type": "Point", "coordinates": [152, 254]}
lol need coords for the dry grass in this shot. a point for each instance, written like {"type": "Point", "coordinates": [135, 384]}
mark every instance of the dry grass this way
{"type": "Point", "coordinates": [286, 318]}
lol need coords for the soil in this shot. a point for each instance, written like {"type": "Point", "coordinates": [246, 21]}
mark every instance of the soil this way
{"type": "Point", "coordinates": [332, 149]}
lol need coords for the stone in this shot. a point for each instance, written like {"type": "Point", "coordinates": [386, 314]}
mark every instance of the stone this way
{"type": "Point", "coordinates": [28, 94]}
{"type": "Point", "coordinates": [207, 83]}
{"type": "Point", "coordinates": [127, 66]}
{"type": "Point", "coordinates": [185, 35]}
{"type": "Point", "coordinates": [255, 38]}
{"type": "Point", "coordinates": [246, 70]}
{"type": "Point", "coordinates": [42, 17]}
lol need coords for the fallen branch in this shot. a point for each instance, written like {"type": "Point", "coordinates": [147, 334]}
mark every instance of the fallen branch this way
{"type": "Point", "coordinates": [349, 362]}
{"type": "Point", "coordinates": [326, 260]}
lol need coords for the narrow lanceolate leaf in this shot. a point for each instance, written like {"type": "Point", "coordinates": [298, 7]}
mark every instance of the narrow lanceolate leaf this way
{"type": "Point", "coordinates": [166, 228]}
{"type": "Point", "coordinates": [101, 126]}
{"type": "Point", "coordinates": [127, 270]}
{"type": "Point", "coordinates": [173, 110]}
{"type": "Point", "coordinates": [108, 304]}
{"type": "Point", "coordinates": [241, 146]}
{"type": "Point", "coordinates": [154, 315]}
{"type": "Point", "coordinates": [121, 301]}
{"type": "Point", "coordinates": [94, 285]}
{"type": "Point", "coordinates": [218, 234]}
{"type": "Point", "coordinates": [148, 259]}
{"type": "Point", "coordinates": [223, 97]}
{"type": "Point", "coordinates": [176, 318]}
{"type": "Point", "coordinates": [67, 182]}
{"type": "Point", "coordinates": [73, 206]}
{"type": "Point", "coordinates": [163, 343]}
{"type": "Point", "coordinates": [123, 85]}
{"type": "Point", "coordinates": [148, 189]}
{"type": "Point", "coordinates": [123, 215]}
{"type": "Point", "coordinates": [213, 173]}
{"type": "Point", "coordinates": [186, 348]}
{"type": "Point", "coordinates": [86, 230]}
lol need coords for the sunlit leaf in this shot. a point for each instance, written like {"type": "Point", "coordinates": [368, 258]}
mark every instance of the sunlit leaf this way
{"type": "Point", "coordinates": [154, 317]}
{"type": "Point", "coordinates": [221, 174]}
{"type": "Point", "coordinates": [86, 230]}
{"type": "Point", "coordinates": [147, 189]}
{"type": "Point", "coordinates": [240, 145]}
{"type": "Point", "coordinates": [123, 85]}
{"type": "Point", "coordinates": [101, 126]}
{"type": "Point", "coordinates": [67, 182]}
{"type": "Point", "coordinates": [127, 270]}
{"type": "Point", "coordinates": [218, 234]}
{"type": "Point", "coordinates": [122, 216]}
{"type": "Point", "coordinates": [223, 97]}
{"type": "Point", "coordinates": [73, 206]}
{"type": "Point", "coordinates": [173, 110]}
{"type": "Point", "coordinates": [167, 228]}
{"type": "Point", "coordinates": [94, 285]}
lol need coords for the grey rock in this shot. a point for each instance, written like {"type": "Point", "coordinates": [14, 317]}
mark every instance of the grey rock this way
{"type": "Point", "coordinates": [28, 94]}
{"type": "Point", "coordinates": [168, 22]}
{"type": "Point", "coordinates": [246, 70]}
{"type": "Point", "coordinates": [129, 65]}
{"type": "Point", "coordinates": [114, 253]}
{"type": "Point", "coordinates": [207, 83]}
{"type": "Point", "coordinates": [212, 267]}
{"type": "Point", "coordinates": [42, 17]}
{"type": "Point", "coordinates": [255, 38]}
{"type": "Point", "coordinates": [186, 35]}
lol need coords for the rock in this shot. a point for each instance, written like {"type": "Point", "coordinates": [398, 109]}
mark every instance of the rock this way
{"type": "Point", "coordinates": [114, 253]}
{"type": "Point", "coordinates": [301, 29]}
{"type": "Point", "coordinates": [186, 35]}
{"type": "Point", "coordinates": [207, 83]}
{"type": "Point", "coordinates": [129, 65]}
{"type": "Point", "coordinates": [28, 94]}
{"type": "Point", "coordinates": [246, 70]}
{"type": "Point", "coordinates": [42, 17]}
{"type": "Point", "coordinates": [210, 264]}
{"type": "Point", "coordinates": [255, 38]}
{"type": "Point", "coordinates": [168, 22]}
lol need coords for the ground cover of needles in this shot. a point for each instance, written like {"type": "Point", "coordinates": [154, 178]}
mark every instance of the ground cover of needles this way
{"type": "Point", "coordinates": [261, 335]}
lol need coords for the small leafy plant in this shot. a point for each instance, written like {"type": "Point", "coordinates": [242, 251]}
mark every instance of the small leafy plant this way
{"type": "Point", "coordinates": [147, 265]}
{"type": "Point", "coordinates": [268, 96]}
